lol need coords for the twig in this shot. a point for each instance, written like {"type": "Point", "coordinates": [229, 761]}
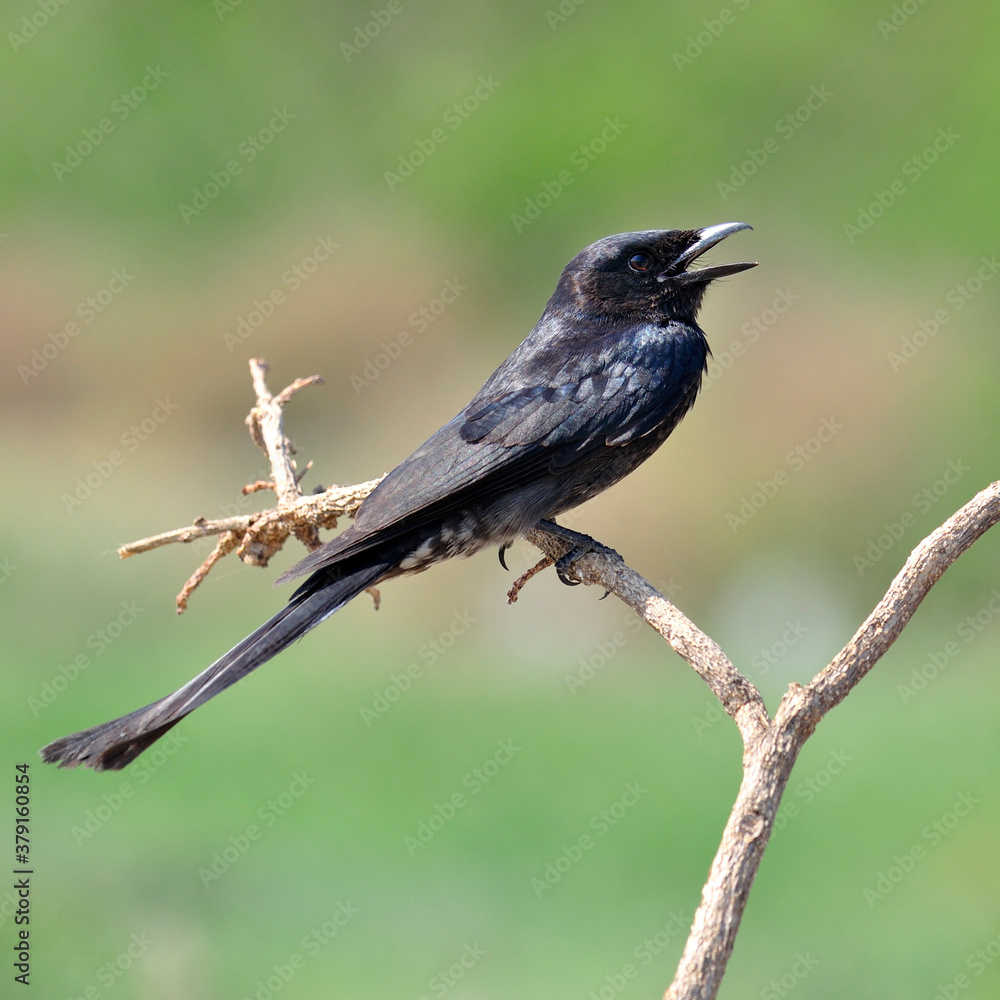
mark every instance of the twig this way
{"type": "Point", "coordinates": [519, 583]}
{"type": "Point", "coordinates": [257, 487]}
{"type": "Point", "coordinates": [257, 537]}
{"type": "Point", "coordinates": [228, 541]}
{"type": "Point", "coordinates": [266, 425]}
{"type": "Point", "coordinates": [605, 568]}
{"type": "Point", "coordinates": [319, 509]}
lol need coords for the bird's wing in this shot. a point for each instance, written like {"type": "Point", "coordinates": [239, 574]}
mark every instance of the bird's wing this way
{"type": "Point", "coordinates": [505, 438]}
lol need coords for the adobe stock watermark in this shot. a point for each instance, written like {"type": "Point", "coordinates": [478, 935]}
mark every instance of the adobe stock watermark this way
{"type": "Point", "coordinates": [713, 714]}
{"type": "Point", "coordinates": [898, 17]}
{"type": "Point", "coordinates": [114, 801]}
{"type": "Point", "coordinates": [957, 297]}
{"type": "Point", "coordinates": [224, 7]}
{"type": "Point", "coordinates": [771, 656]}
{"type": "Point", "coordinates": [45, 11]}
{"type": "Point", "coordinates": [614, 983]}
{"type": "Point", "coordinates": [319, 937]}
{"type": "Point", "coordinates": [977, 963]}
{"type": "Point", "coordinates": [796, 460]}
{"type": "Point", "coordinates": [719, 362]}
{"type": "Point", "coordinates": [98, 642]}
{"type": "Point", "coordinates": [291, 280]}
{"type": "Point", "coordinates": [121, 107]}
{"type": "Point", "coordinates": [604, 654]}
{"type": "Point", "coordinates": [591, 666]}
{"type": "Point", "coordinates": [561, 13]}
{"type": "Point", "coordinates": [713, 28]}
{"type": "Point", "coordinates": [131, 440]}
{"type": "Point", "coordinates": [366, 33]}
{"type": "Point", "coordinates": [446, 979]}
{"type": "Point", "coordinates": [430, 652]}
{"type": "Point", "coordinates": [809, 789]}
{"type": "Point", "coordinates": [419, 321]}
{"type": "Point", "coordinates": [968, 630]}
{"type": "Point", "coordinates": [921, 502]}
{"type": "Point", "coordinates": [454, 118]}
{"type": "Point", "coordinates": [268, 814]}
{"type": "Point", "coordinates": [932, 835]}
{"type": "Point", "coordinates": [602, 823]}
{"type": "Point", "coordinates": [580, 160]}
{"type": "Point", "coordinates": [643, 953]}
{"type": "Point", "coordinates": [785, 127]}
{"type": "Point", "coordinates": [11, 907]}
{"type": "Point", "coordinates": [234, 508]}
{"type": "Point", "coordinates": [110, 973]}
{"type": "Point", "coordinates": [649, 948]}
{"type": "Point", "coordinates": [282, 973]}
{"type": "Point", "coordinates": [912, 169]}
{"type": "Point", "coordinates": [86, 312]}
{"type": "Point", "coordinates": [246, 152]}
{"type": "Point", "coordinates": [243, 503]}
{"type": "Point", "coordinates": [473, 783]}
{"type": "Point", "coordinates": [801, 967]}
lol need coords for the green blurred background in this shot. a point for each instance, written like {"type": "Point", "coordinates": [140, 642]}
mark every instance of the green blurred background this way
{"type": "Point", "coordinates": [793, 118]}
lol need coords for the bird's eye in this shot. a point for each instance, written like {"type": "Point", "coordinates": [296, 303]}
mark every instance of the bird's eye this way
{"type": "Point", "coordinates": [640, 262]}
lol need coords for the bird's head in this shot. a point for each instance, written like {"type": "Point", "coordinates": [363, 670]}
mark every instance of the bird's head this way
{"type": "Point", "coordinates": [644, 275]}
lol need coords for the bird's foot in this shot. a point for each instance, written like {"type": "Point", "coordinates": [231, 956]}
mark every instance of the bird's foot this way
{"type": "Point", "coordinates": [582, 545]}
{"type": "Point", "coordinates": [566, 565]}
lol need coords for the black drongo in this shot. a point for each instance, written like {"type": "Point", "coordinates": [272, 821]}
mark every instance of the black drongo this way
{"type": "Point", "coordinates": [611, 367]}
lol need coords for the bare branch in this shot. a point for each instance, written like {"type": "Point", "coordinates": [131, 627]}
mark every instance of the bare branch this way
{"type": "Point", "coordinates": [228, 541]}
{"type": "Point", "coordinates": [925, 566]}
{"type": "Point", "coordinates": [319, 509]}
{"type": "Point", "coordinates": [266, 424]}
{"type": "Point", "coordinates": [604, 567]}
{"type": "Point", "coordinates": [257, 537]}
{"type": "Point", "coordinates": [201, 528]}
{"type": "Point", "coordinates": [768, 764]}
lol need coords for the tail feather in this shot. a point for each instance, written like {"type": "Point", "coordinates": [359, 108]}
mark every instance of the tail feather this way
{"type": "Point", "coordinates": [115, 744]}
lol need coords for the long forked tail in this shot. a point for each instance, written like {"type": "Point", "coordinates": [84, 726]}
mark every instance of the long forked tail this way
{"type": "Point", "coordinates": [113, 745]}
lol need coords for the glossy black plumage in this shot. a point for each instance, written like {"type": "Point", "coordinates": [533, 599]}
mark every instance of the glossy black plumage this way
{"type": "Point", "coordinates": [612, 366]}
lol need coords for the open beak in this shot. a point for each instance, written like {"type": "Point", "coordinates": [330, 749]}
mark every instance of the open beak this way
{"type": "Point", "coordinates": [707, 238]}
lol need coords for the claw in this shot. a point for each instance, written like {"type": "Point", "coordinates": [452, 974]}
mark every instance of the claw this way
{"type": "Point", "coordinates": [500, 552]}
{"type": "Point", "coordinates": [564, 566]}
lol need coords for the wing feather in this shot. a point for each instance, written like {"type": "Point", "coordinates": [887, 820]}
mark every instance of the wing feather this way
{"type": "Point", "coordinates": [515, 430]}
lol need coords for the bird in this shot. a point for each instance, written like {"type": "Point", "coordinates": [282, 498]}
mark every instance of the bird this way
{"type": "Point", "coordinates": [607, 373]}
